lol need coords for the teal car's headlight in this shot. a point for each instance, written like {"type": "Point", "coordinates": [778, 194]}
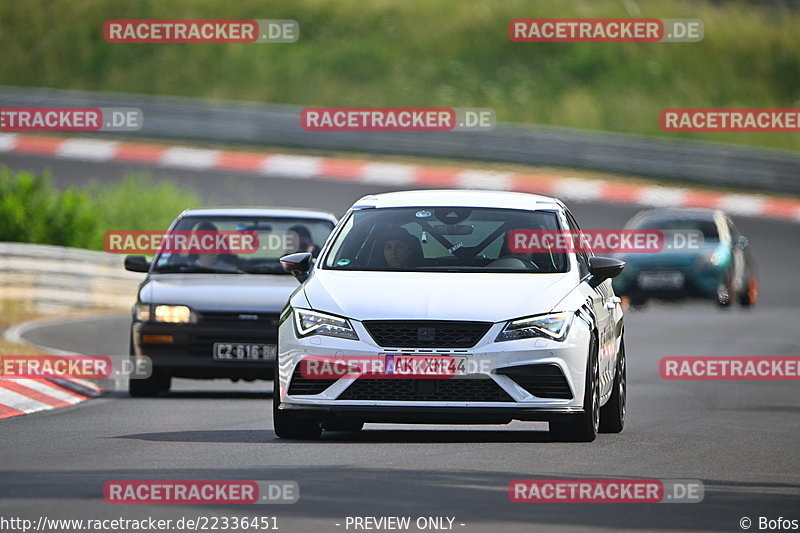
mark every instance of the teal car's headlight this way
{"type": "Point", "coordinates": [551, 326]}
{"type": "Point", "coordinates": [713, 259]}
{"type": "Point", "coordinates": [315, 323]}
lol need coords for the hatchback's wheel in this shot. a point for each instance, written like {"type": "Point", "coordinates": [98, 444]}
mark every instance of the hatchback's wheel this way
{"type": "Point", "coordinates": [149, 387]}
{"type": "Point", "coordinates": [612, 414]}
{"type": "Point", "coordinates": [342, 425]}
{"type": "Point", "coordinates": [583, 427]}
{"type": "Point", "coordinates": [749, 295]}
{"type": "Point", "coordinates": [289, 426]}
{"type": "Point", "coordinates": [164, 382]}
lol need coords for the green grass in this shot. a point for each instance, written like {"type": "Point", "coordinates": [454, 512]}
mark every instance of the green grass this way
{"type": "Point", "coordinates": [33, 210]}
{"type": "Point", "coordinates": [426, 53]}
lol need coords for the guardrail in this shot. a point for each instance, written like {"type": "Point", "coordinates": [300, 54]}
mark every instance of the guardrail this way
{"type": "Point", "coordinates": [70, 277]}
{"type": "Point", "coordinates": [217, 121]}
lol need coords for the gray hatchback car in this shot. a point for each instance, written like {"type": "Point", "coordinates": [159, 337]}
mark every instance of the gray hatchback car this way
{"type": "Point", "coordinates": [216, 315]}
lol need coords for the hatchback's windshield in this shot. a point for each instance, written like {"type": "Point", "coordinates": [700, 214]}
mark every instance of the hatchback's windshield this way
{"type": "Point", "coordinates": [451, 239]}
{"type": "Point", "coordinates": [276, 237]}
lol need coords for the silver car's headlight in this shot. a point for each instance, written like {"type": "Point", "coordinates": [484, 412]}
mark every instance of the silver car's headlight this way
{"type": "Point", "coordinates": [315, 323]}
{"type": "Point", "coordinates": [551, 326]}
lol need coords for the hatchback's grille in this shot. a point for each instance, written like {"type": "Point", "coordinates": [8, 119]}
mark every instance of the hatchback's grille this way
{"type": "Point", "coordinates": [302, 385]}
{"type": "Point", "coordinates": [543, 381]}
{"type": "Point", "coordinates": [426, 390]}
{"type": "Point", "coordinates": [426, 333]}
{"type": "Point", "coordinates": [239, 318]}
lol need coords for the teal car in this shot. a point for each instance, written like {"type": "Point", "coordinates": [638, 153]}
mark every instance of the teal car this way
{"type": "Point", "coordinates": [720, 267]}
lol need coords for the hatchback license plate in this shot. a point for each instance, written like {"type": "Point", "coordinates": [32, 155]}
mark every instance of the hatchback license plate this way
{"type": "Point", "coordinates": [244, 352]}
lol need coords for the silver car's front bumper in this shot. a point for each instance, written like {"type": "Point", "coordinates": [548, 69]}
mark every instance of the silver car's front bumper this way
{"type": "Point", "coordinates": [490, 361]}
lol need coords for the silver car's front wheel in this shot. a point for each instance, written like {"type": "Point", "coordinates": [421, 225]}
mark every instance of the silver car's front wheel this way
{"type": "Point", "coordinates": [612, 414]}
{"type": "Point", "coordinates": [583, 427]}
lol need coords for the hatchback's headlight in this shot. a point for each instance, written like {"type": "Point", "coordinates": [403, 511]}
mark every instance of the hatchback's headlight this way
{"type": "Point", "coordinates": [316, 323]}
{"type": "Point", "coordinates": [179, 314]}
{"type": "Point", "coordinates": [551, 326]}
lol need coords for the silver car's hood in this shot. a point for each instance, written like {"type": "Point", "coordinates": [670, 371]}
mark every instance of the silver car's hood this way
{"type": "Point", "coordinates": [489, 297]}
{"type": "Point", "coordinates": [220, 292]}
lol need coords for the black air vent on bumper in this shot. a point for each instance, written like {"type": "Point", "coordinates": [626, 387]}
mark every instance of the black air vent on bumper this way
{"type": "Point", "coordinates": [301, 385]}
{"type": "Point", "coordinates": [426, 333]}
{"type": "Point", "coordinates": [543, 381]}
{"type": "Point", "coordinates": [426, 390]}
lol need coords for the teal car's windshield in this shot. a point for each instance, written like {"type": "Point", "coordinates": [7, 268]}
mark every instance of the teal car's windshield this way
{"type": "Point", "coordinates": [706, 226]}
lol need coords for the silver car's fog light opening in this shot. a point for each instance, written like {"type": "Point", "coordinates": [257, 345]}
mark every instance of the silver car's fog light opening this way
{"type": "Point", "coordinates": [309, 323]}
{"type": "Point", "coordinates": [553, 326]}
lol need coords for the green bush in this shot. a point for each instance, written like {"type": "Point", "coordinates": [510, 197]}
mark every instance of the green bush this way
{"type": "Point", "coordinates": [33, 209]}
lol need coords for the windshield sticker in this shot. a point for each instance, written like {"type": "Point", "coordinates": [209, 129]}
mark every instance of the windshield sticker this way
{"type": "Point", "coordinates": [343, 262]}
{"type": "Point", "coordinates": [423, 214]}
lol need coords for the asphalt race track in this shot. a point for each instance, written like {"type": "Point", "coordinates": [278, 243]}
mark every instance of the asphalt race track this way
{"type": "Point", "coordinates": [740, 438]}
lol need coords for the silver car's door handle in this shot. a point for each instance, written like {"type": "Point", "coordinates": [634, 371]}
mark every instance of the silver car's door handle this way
{"type": "Point", "coordinates": [612, 302]}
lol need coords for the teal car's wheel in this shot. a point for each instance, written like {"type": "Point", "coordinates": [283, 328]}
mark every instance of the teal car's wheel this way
{"type": "Point", "coordinates": [725, 292]}
{"type": "Point", "coordinates": [749, 295]}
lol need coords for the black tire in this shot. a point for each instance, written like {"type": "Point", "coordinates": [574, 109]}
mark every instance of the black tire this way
{"type": "Point", "coordinates": [749, 295]}
{"type": "Point", "coordinates": [612, 414]}
{"type": "Point", "coordinates": [725, 293]}
{"type": "Point", "coordinates": [582, 427]}
{"type": "Point", "coordinates": [638, 303]}
{"type": "Point", "coordinates": [149, 387]}
{"type": "Point", "coordinates": [343, 425]}
{"type": "Point", "coordinates": [287, 425]}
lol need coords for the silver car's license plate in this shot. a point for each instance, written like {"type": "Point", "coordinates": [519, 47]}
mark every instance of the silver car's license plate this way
{"type": "Point", "coordinates": [421, 365]}
{"type": "Point", "coordinates": [661, 280]}
{"type": "Point", "coordinates": [244, 352]}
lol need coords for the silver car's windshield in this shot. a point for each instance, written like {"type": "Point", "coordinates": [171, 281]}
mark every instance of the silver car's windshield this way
{"type": "Point", "coordinates": [441, 239]}
{"type": "Point", "coordinates": [275, 237]}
